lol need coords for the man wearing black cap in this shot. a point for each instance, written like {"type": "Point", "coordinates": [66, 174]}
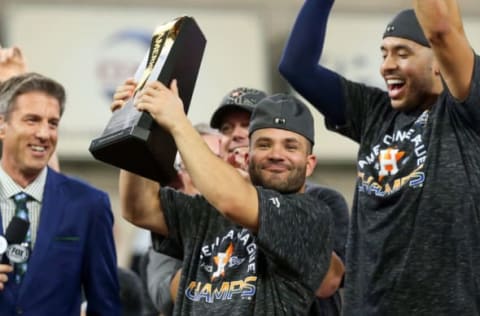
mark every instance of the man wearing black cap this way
{"type": "Point", "coordinates": [255, 250]}
{"type": "Point", "coordinates": [414, 242]}
{"type": "Point", "coordinates": [232, 118]}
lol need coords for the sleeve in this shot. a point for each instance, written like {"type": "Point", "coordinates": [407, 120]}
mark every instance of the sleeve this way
{"type": "Point", "coordinates": [100, 278]}
{"type": "Point", "coordinates": [365, 108]}
{"type": "Point", "coordinates": [340, 215]}
{"type": "Point", "coordinates": [160, 271]}
{"type": "Point", "coordinates": [300, 66]}
{"type": "Point", "coordinates": [295, 235]}
{"type": "Point", "coordinates": [183, 214]}
{"type": "Point", "coordinates": [470, 108]}
{"type": "Point", "coordinates": [166, 246]}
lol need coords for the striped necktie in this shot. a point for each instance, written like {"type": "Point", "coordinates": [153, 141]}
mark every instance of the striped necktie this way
{"type": "Point", "coordinates": [21, 211]}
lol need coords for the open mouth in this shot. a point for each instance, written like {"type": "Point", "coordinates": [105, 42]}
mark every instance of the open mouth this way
{"type": "Point", "coordinates": [395, 87]}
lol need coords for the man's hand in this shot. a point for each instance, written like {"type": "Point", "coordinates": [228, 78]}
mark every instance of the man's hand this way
{"type": "Point", "coordinates": [163, 104]}
{"type": "Point", "coordinates": [4, 269]}
{"type": "Point", "coordinates": [12, 62]}
{"type": "Point", "coordinates": [122, 94]}
{"type": "Point", "coordinates": [238, 159]}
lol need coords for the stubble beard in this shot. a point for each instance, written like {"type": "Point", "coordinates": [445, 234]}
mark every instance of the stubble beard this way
{"type": "Point", "coordinates": [292, 184]}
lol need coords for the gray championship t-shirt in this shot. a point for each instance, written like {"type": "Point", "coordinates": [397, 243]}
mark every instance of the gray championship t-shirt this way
{"type": "Point", "coordinates": [228, 270]}
{"type": "Point", "coordinates": [414, 244]}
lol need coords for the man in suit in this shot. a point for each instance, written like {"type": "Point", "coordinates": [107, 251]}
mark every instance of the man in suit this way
{"type": "Point", "coordinates": [70, 236]}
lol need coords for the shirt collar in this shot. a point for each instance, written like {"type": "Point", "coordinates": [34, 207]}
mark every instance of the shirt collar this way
{"type": "Point", "coordinates": [35, 189]}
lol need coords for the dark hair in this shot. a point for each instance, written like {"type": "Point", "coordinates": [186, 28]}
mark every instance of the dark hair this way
{"type": "Point", "coordinates": [28, 82]}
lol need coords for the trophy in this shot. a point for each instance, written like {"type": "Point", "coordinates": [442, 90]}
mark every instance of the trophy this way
{"type": "Point", "coordinates": [132, 140]}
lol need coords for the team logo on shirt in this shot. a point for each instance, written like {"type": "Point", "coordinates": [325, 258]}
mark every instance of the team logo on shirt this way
{"type": "Point", "coordinates": [221, 260]}
{"type": "Point", "coordinates": [388, 160]}
{"type": "Point", "coordinates": [229, 269]}
{"type": "Point", "coordinates": [395, 161]}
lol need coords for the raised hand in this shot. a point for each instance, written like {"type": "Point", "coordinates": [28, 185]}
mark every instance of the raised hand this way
{"type": "Point", "coordinates": [123, 92]}
{"type": "Point", "coordinates": [163, 104]}
{"type": "Point", "coordinates": [12, 62]}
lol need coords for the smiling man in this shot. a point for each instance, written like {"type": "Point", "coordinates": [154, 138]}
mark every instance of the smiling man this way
{"type": "Point", "coordinates": [232, 118]}
{"type": "Point", "coordinates": [70, 240]}
{"type": "Point", "coordinates": [413, 247]}
{"type": "Point", "coordinates": [247, 247]}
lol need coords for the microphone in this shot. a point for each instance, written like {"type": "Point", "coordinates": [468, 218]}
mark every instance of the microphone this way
{"type": "Point", "coordinates": [11, 243]}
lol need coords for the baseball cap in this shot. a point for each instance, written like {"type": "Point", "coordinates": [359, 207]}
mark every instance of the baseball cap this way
{"type": "Point", "coordinates": [283, 111]}
{"type": "Point", "coordinates": [405, 25]}
{"type": "Point", "coordinates": [241, 98]}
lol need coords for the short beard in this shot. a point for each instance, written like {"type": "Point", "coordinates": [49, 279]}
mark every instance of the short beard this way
{"type": "Point", "coordinates": [293, 183]}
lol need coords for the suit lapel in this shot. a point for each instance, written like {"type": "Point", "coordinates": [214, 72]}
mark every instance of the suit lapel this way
{"type": "Point", "coordinates": [52, 211]}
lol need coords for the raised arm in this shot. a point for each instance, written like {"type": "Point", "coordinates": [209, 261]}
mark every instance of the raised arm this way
{"type": "Point", "coordinates": [139, 196]}
{"type": "Point", "coordinates": [300, 62]}
{"type": "Point", "coordinates": [140, 202]}
{"type": "Point", "coordinates": [211, 175]}
{"type": "Point", "coordinates": [442, 24]}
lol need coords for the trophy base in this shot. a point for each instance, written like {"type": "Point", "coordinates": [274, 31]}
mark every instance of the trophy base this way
{"type": "Point", "coordinates": [132, 149]}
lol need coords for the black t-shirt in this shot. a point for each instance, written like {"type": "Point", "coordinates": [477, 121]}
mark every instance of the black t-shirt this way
{"type": "Point", "coordinates": [331, 306]}
{"type": "Point", "coordinates": [340, 215]}
{"type": "Point", "coordinates": [228, 270]}
{"type": "Point", "coordinates": [414, 244]}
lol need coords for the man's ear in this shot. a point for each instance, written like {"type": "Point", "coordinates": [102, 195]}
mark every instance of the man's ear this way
{"type": "Point", "coordinates": [247, 158]}
{"type": "Point", "coordinates": [311, 164]}
{"type": "Point", "coordinates": [2, 126]}
{"type": "Point", "coordinates": [436, 67]}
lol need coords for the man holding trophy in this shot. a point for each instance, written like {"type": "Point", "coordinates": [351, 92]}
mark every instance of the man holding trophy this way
{"type": "Point", "coordinates": [247, 247]}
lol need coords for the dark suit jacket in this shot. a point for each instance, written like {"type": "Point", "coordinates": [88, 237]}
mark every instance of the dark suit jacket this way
{"type": "Point", "coordinates": [74, 249]}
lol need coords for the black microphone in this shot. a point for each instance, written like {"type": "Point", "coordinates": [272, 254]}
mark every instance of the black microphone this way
{"type": "Point", "coordinates": [14, 234]}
